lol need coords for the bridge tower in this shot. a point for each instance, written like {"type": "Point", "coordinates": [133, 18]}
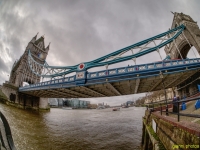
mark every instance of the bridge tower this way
{"type": "Point", "coordinates": [190, 37]}
{"type": "Point", "coordinates": [21, 72]}
{"type": "Point", "coordinates": [180, 47]}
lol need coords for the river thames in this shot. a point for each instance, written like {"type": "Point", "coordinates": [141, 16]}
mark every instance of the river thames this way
{"type": "Point", "coordinates": [75, 129]}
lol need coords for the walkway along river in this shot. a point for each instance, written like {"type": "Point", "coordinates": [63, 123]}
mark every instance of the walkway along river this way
{"type": "Point", "coordinates": [87, 129]}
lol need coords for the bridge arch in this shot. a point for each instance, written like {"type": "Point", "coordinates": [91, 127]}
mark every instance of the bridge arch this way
{"type": "Point", "coordinates": [184, 48]}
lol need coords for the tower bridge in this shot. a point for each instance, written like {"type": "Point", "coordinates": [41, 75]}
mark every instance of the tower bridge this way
{"type": "Point", "coordinates": [173, 71]}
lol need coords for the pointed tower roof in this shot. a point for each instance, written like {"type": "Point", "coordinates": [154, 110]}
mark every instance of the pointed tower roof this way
{"type": "Point", "coordinates": [180, 18]}
{"type": "Point", "coordinates": [40, 42]}
{"type": "Point", "coordinates": [47, 48]}
{"type": "Point", "coordinates": [34, 38]}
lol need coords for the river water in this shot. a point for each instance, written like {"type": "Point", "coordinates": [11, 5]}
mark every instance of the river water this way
{"type": "Point", "coordinates": [86, 129]}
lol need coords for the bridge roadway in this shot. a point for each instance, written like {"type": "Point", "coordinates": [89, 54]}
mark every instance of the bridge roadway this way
{"type": "Point", "coordinates": [119, 81]}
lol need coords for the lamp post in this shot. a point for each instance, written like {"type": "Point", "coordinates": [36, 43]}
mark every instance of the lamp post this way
{"type": "Point", "coordinates": [161, 76]}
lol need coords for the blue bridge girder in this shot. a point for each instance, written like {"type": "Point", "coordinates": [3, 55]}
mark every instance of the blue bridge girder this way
{"type": "Point", "coordinates": [109, 59]}
{"type": "Point", "coordinates": [118, 81]}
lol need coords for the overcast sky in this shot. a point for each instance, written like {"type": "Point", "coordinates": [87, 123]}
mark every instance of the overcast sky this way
{"type": "Point", "coordinates": [83, 30]}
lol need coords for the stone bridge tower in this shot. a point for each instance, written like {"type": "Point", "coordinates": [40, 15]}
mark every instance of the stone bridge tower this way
{"type": "Point", "coordinates": [21, 73]}
{"type": "Point", "coordinates": [192, 34]}
{"type": "Point", "coordinates": [180, 47]}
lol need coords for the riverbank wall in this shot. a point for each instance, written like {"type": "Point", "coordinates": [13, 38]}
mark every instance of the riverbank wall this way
{"type": "Point", "coordinates": [161, 132]}
{"type": "Point", "coordinates": [10, 96]}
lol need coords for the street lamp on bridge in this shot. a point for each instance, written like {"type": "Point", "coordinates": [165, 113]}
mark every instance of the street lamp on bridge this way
{"type": "Point", "coordinates": [161, 76]}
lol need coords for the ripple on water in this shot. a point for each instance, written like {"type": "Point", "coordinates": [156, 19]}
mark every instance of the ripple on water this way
{"type": "Point", "coordinates": [75, 129]}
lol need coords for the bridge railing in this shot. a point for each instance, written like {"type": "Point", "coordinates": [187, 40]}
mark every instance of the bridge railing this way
{"type": "Point", "coordinates": [155, 65]}
{"type": "Point", "coordinates": [83, 75]}
{"type": "Point", "coordinates": [175, 103]}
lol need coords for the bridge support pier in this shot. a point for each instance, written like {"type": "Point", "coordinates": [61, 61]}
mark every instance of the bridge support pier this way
{"type": "Point", "coordinates": [21, 100]}
{"type": "Point", "coordinates": [43, 104]}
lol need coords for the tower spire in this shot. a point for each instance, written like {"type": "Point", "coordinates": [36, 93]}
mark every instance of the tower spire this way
{"type": "Point", "coordinates": [34, 38]}
{"type": "Point", "coordinates": [47, 48]}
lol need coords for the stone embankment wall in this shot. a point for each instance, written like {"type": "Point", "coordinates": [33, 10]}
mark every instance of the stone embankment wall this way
{"type": "Point", "coordinates": [22, 100]}
{"type": "Point", "coordinates": [160, 133]}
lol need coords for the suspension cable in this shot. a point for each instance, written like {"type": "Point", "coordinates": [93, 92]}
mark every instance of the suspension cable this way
{"type": "Point", "coordinates": [134, 59]}
{"type": "Point", "coordinates": [159, 54]}
{"type": "Point", "coordinates": [176, 46]}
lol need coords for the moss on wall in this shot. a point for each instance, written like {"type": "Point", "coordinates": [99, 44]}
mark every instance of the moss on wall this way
{"type": "Point", "coordinates": [154, 137]}
{"type": "Point", "coordinates": [160, 144]}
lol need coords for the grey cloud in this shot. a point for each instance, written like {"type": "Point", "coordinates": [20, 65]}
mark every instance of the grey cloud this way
{"type": "Point", "coordinates": [81, 31]}
{"type": "Point", "coordinates": [3, 66]}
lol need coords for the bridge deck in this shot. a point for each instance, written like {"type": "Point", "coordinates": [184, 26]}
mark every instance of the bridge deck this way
{"type": "Point", "coordinates": [119, 81]}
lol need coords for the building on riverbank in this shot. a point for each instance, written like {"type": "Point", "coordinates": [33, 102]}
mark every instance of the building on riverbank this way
{"type": "Point", "coordinates": [76, 103]}
{"type": "Point", "coordinates": [92, 106]}
{"type": "Point", "coordinates": [102, 106]}
{"type": "Point", "coordinates": [158, 95]}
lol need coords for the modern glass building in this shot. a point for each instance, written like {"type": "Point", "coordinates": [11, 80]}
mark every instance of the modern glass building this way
{"type": "Point", "coordinates": [76, 103]}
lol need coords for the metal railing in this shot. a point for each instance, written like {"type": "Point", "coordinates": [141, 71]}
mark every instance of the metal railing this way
{"type": "Point", "coordinates": [174, 103]}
